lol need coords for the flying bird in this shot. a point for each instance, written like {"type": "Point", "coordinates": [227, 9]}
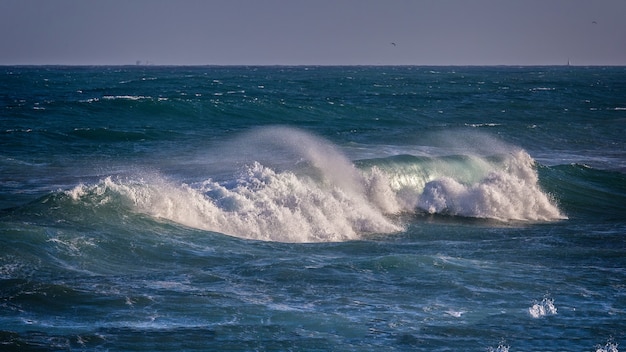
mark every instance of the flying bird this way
{"type": "Point", "coordinates": [392, 43]}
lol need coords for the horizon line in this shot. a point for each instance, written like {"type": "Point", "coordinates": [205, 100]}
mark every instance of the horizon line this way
{"type": "Point", "coordinates": [312, 65]}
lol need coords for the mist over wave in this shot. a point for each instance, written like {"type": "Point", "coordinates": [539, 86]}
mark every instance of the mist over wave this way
{"type": "Point", "coordinates": [305, 189]}
{"type": "Point", "coordinates": [509, 193]}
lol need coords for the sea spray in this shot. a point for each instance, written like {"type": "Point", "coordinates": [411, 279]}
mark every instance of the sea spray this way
{"type": "Point", "coordinates": [262, 205]}
{"type": "Point", "coordinates": [305, 149]}
{"type": "Point", "coordinates": [610, 346]}
{"type": "Point", "coordinates": [306, 190]}
{"type": "Point", "coordinates": [543, 308]}
{"type": "Point", "coordinates": [502, 347]}
{"type": "Point", "coordinates": [509, 191]}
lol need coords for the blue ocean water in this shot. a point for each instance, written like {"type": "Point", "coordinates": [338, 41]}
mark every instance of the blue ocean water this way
{"type": "Point", "coordinates": [312, 208]}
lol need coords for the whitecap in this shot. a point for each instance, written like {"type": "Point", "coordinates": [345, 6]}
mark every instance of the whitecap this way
{"type": "Point", "coordinates": [544, 308]}
{"type": "Point", "coordinates": [610, 346]}
{"type": "Point", "coordinates": [486, 124]}
{"type": "Point", "coordinates": [295, 187]}
{"type": "Point", "coordinates": [501, 348]}
{"type": "Point", "coordinates": [510, 192]}
{"type": "Point", "coordinates": [455, 313]}
{"type": "Point", "coordinates": [263, 204]}
{"type": "Point", "coordinates": [126, 97]}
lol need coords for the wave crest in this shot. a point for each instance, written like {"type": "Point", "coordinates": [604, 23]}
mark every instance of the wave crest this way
{"type": "Point", "coordinates": [323, 196]}
{"type": "Point", "coordinates": [510, 192]}
{"type": "Point", "coordinates": [263, 205]}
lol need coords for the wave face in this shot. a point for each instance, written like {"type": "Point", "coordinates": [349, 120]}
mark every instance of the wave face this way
{"type": "Point", "coordinates": [308, 191]}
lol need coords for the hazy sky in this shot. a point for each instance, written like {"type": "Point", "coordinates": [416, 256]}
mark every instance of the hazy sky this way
{"type": "Point", "coordinates": [323, 32]}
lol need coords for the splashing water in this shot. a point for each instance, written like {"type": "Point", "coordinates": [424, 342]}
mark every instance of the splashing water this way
{"type": "Point", "coordinates": [509, 193]}
{"type": "Point", "coordinates": [305, 190]}
{"type": "Point", "coordinates": [543, 308]}
{"type": "Point", "coordinates": [501, 348]}
{"type": "Point", "coordinates": [610, 346]}
{"type": "Point", "coordinates": [264, 205]}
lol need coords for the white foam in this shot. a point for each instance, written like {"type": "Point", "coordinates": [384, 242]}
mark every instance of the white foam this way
{"type": "Point", "coordinates": [264, 205]}
{"type": "Point", "coordinates": [501, 348]}
{"type": "Point", "coordinates": [610, 346]}
{"type": "Point", "coordinates": [125, 97]}
{"type": "Point", "coordinates": [325, 198]}
{"type": "Point", "coordinates": [305, 190]}
{"type": "Point", "coordinates": [508, 192]}
{"type": "Point", "coordinates": [455, 313]}
{"type": "Point", "coordinates": [487, 124]}
{"type": "Point", "coordinates": [543, 308]}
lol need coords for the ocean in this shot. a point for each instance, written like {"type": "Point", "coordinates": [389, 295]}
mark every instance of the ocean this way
{"type": "Point", "coordinates": [308, 208]}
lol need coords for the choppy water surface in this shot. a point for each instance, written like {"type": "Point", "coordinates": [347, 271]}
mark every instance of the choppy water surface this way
{"type": "Point", "coordinates": [312, 208]}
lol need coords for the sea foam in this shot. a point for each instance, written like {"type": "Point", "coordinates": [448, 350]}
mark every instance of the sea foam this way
{"type": "Point", "coordinates": [262, 205]}
{"type": "Point", "coordinates": [322, 198]}
{"type": "Point", "coordinates": [610, 346]}
{"type": "Point", "coordinates": [296, 187]}
{"type": "Point", "coordinates": [543, 308]}
{"type": "Point", "coordinates": [509, 191]}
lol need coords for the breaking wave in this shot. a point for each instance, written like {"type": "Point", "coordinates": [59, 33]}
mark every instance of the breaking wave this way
{"type": "Point", "coordinates": [301, 188]}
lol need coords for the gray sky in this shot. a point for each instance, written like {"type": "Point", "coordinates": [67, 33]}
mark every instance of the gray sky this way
{"type": "Point", "coordinates": [322, 32]}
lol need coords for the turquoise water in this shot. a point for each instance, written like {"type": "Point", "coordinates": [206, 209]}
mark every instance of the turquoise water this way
{"type": "Point", "coordinates": [312, 208]}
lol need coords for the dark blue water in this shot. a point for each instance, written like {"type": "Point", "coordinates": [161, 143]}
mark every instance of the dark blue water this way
{"type": "Point", "coordinates": [313, 208]}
